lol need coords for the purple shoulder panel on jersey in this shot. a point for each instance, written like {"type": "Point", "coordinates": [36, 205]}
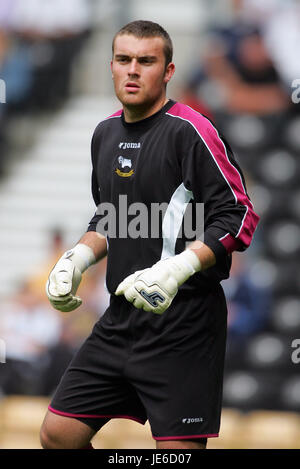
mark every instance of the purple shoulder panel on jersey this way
{"type": "Point", "coordinates": [115, 114]}
{"type": "Point", "coordinates": [217, 149]}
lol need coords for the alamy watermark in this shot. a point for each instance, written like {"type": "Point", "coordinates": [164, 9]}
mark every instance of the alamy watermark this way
{"type": "Point", "coordinates": [2, 91]}
{"type": "Point", "coordinates": [296, 93]}
{"type": "Point", "coordinates": [2, 351]}
{"type": "Point", "coordinates": [156, 220]}
{"type": "Point", "coordinates": [296, 353]}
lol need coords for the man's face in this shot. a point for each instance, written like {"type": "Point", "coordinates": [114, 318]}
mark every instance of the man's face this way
{"type": "Point", "coordinates": [139, 70]}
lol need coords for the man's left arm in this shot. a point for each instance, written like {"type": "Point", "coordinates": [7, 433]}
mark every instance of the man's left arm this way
{"type": "Point", "coordinates": [153, 289]}
{"type": "Point", "coordinates": [212, 174]}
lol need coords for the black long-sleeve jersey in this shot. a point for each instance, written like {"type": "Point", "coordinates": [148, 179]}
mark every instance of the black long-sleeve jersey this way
{"type": "Point", "coordinates": [174, 159]}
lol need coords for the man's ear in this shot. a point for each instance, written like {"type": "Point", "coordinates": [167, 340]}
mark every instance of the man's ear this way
{"type": "Point", "coordinates": [170, 70]}
{"type": "Point", "coordinates": [111, 68]}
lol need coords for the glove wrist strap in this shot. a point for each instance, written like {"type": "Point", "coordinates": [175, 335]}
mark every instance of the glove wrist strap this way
{"type": "Point", "coordinates": [191, 260]}
{"type": "Point", "coordinates": [81, 255]}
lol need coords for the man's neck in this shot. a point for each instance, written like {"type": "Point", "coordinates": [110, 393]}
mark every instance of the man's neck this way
{"type": "Point", "coordinates": [137, 113]}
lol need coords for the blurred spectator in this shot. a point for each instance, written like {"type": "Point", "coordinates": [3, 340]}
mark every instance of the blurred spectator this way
{"type": "Point", "coordinates": [39, 43]}
{"type": "Point", "coordinates": [29, 328]}
{"type": "Point", "coordinates": [249, 306]}
{"type": "Point", "coordinates": [15, 64]}
{"type": "Point", "coordinates": [4, 13]}
{"type": "Point", "coordinates": [236, 72]}
{"type": "Point", "coordinates": [278, 21]}
{"type": "Point", "coordinates": [93, 290]}
{"type": "Point", "coordinates": [53, 33]}
{"type": "Point", "coordinates": [92, 287]}
{"type": "Point", "coordinates": [38, 280]}
{"type": "Point", "coordinates": [75, 326]}
{"type": "Point", "coordinates": [282, 36]}
{"type": "Point", "coordinates": [40, 341]}
{"type": "Point", "coordinates": [43, 38]}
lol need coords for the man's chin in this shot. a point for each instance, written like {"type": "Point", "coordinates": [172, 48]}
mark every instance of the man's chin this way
{"type": "Point", "coordinates": [131, 100]}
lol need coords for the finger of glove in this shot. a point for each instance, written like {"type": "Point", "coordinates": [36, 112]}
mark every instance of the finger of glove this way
{"type": "Point", "coordinates": [60, 284]}
{"type": "Point", "coordinates": [127, 283]}
{"type": "Point", "coordinates": [139, 303]}
{"type": "Point", "coordinates": [130, 294]}
{"type": "Point", "coordinates": [147, 307]}
{"type": "Point", "coordinates": [60, 279]}
{"type": "Point", "coordinates": [76, 279]}
{"type": "Point", "coordinates": [120, 289]}
{"type": "Point", "coordinates": [71, 306]}
{"type": "Point", "coordinates": [63, 282]}
{"type": "Point", "coordinates": [60, 300]}
{"type": "Point", "coordinates": [74, 303]}
{"type": "Point", "coordinates": [153, 289]}
{"type": "Point", "coordinates": [161, 308]}
{"type": "Point", "coordinates": [155, 309]}
{"type": "Point", "coordinates": [162, 278]}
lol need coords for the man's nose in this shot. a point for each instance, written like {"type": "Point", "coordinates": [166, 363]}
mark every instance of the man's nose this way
{"type": "Point", "coordinates": [133, 68]}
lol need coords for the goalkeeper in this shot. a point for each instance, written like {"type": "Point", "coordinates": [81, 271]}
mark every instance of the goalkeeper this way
{"type": "Point", "coordinates": [157, 353]}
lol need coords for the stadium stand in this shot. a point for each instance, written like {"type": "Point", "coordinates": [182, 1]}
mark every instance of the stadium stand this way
{"type": "Point", "coordinates": [262, 385]}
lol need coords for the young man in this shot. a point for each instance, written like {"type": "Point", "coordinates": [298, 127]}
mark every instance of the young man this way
{"type": "Point", "coordinates": [158, 351]}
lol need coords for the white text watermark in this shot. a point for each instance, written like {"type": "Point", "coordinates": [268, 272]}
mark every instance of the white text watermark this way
{"type": "Point", "coordinates": [2, 91]}
{"type": "Point", "coordinates": [296, 93]}
{"type": "Point", "coordinates": [296, 353]}
{"type": "Point", "coordinates": [156, 220]}
{"type": "Point", "coordinates": [2, 351]}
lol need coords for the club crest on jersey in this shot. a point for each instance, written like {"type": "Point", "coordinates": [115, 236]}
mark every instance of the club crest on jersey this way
{"type": "Point", "coordinates": [124, 168]}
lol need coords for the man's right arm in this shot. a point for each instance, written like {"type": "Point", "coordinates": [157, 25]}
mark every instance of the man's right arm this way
{"type": "Point", "coordinates": [65, 277]}
{"type": "Point", "coordinates": [95, 241]}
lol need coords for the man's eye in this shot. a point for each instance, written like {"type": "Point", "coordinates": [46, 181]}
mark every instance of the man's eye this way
{"type": "Point", "coordinates": [146, 61]}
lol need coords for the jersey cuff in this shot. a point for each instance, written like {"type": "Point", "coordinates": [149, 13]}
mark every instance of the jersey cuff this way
{"type": "Point", "coordinates": [221, 243]}
{"type": "Point", "coordinates": [231, 244]}
{"type": "Point", "coordinates": [92, 227]}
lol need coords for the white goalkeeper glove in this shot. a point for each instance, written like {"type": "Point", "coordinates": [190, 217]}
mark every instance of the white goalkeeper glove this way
{"type": "Point", "coordinates": [153, 289]}
{"type": "Point", "coordinates": [65, 277]}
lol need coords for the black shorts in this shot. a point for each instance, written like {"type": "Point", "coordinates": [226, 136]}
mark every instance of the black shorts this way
{"type": "Point", "coordinates": [165, 368]}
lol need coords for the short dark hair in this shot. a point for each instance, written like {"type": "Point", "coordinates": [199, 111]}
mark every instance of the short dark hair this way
{"type": "Point", "coordinates": [142, 28]}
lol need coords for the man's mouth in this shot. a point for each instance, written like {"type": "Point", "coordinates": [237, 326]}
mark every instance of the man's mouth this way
{"type": "Point", "coordinates": [132, 86]}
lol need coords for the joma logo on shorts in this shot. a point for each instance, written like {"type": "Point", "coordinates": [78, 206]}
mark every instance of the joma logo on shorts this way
{"type": "Point", "coordinates": [125, 145]}
{"type": "Point", "coordinates": [192, 420]}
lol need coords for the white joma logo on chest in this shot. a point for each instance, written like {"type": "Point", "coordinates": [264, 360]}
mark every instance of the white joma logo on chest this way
{"type": "Point", "coordinates": [125, 145]}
